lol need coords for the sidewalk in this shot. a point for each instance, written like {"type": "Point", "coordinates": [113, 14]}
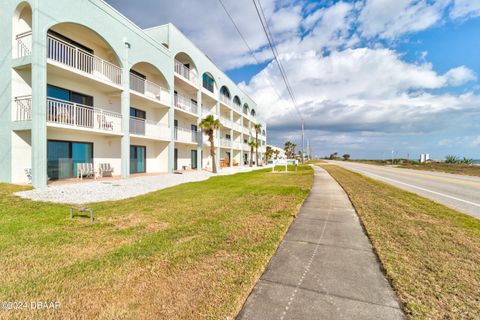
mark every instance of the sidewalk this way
{"type": "Point", "coordinates": [325, 267]}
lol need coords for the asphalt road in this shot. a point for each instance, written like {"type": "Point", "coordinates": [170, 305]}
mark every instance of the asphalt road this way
{"type": "Point", "coordinates": [455, 191]}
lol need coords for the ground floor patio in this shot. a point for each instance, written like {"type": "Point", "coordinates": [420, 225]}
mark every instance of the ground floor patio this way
{"type": "Point", "coordinates": [77, 191]}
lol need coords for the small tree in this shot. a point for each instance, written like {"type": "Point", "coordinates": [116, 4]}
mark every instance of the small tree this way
{"type": "Point", "coordinates": [209, 124]}
{"type": "Point", "coordinates": [252, 144]}
{"type": "Point", "coordinates": [276, 152]}
{"type": "Point", "coordinates": [268, 153]}
{"type": "Point", "coordinates": [290, 149]}
{"type": "Point", "coordinates": [346, 157]}
{"type": "Point", "coordinates": [258, 129]}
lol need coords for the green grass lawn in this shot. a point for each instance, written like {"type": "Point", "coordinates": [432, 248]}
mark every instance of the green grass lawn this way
{"type": "Point", "coordinates": [431, 254]}
{"type": "Point", "coordinates": [187, 252]}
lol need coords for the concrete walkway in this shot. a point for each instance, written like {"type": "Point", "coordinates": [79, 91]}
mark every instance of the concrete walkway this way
{"type": "Point", "coordinates": [325, 267]}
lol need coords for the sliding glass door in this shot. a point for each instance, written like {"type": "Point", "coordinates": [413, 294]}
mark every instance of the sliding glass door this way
{"type": "Point", "coordinates": [138, 155]}
{"type": "Point", "coordinates": [64, 156]}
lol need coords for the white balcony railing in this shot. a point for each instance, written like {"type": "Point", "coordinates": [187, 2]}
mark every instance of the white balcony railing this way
{"type": "Point", "coordinates": [236, 145]}
{"type": "Point", "coordinates": [207, 111]}
{"type": "Point", "coordinates": [149, 89]}
{"type": "Point", "coordinates": [237, 107]}
{"type": "Point", "coordinates": [149, 128]}
{"type": "Point", "coordinates": [237, 127]}
{"type": "Point", "coordinates": [74, 57]}
{"type": "Point", "coordinates": [186, 135]}
{"type": "Point", "coordinates": [226, 143]}
{"type": "Point", "coordinates": [226, 122]}
{"type": "Point", "coordinates": [246, 147]}
{"type": "Point", "coordinates": [185, 103]}
{"type": "Point", "coordinates": [77, 115]}
{"type": "Point", "coordinates": [24, 44]}
{"type": "Point", "coordinates": [226, 100]}
{"type": "Point", "coordinates": [23, 110]}
{"type": "Point", "coordinates": [185, 72]}
{"type": "Point", "coordinates": [246, 131]}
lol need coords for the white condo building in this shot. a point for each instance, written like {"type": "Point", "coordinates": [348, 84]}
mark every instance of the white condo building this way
{"type": "Point", "coordinates": [83, 84]}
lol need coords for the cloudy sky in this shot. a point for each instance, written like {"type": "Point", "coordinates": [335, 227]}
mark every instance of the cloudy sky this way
{"type": "Point", "coordinates": [369, 76]}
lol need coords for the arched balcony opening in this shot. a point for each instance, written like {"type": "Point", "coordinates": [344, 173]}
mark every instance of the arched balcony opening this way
{"type": "Point", "coordinates": [185, 67]}
{"type": "Point", "coordinates": [80, 48]}
{"type": "Point", "coordinates": [246, 109]}
{"type": "Point", "coordinates": [208, 82]}
{"type": "Point", "coordinates": [147, 80]}
{"type": "Point", "coordinates": [225, 96]}
{"type": "Point", "coordinates": [22, 31]}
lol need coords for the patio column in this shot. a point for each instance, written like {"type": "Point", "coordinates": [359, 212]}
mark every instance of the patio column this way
{"type": "Point", "coordinates": [39, 98]}
{"type": "Point", "coordinates": [125, 106]}
{"type": "Point", "coordinates": [171, 125]}
{"type": "Point", "coordinates": [6, 98]}
{"type": "Point", "coordinates": [217, 158]}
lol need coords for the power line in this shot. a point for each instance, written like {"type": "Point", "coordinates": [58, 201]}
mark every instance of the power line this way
{"type": "Point", "coordinates": [248, 47]}
{"type": "Point", "coordinates": [275, 55]}
{"type": "Point", "coordinates": [271, 42]}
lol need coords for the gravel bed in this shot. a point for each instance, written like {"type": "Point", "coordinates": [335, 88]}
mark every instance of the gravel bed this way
{"type": "Point", "coordinates": [98, 190]}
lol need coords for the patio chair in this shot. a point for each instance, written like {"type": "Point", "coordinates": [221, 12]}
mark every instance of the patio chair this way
{"type": "Point", "coordinates": [85, 170]}
{"type": "Point", "coordinates": [103, 123]}
{"type": "Point", "coordinates": [105, 170]}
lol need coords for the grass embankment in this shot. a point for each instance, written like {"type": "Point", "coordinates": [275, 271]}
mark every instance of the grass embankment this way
{"type": "Point", "coordinates": [431, 253]}
{"type": "Point", "coordinates": [187, 252]}
{"type": "Point", "coordinates": [455, 168]}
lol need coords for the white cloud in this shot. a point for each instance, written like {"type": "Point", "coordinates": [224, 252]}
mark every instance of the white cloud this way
{"type": "Point", "coordinates": [465, 8]}
{"type": "Point", "coordinates": [362, 90]}
{"type": "Point", "coordinates": [459, 76]}
{"type": "Point", "coordinates": [389, 19]}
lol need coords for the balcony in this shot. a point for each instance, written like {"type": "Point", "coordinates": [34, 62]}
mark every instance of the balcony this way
{"type": "Point", "coordinates": [23, 108]}
{"type": "Point", "coordinates": [237, 127]}
{"type": "Point", "coordinates": [185, 73]}
{"type": "Point", "coordinates": [246, 131]}
{"type": "Point", "coordinates": [225, 122]}
{"type": "Point", "coordinates": [225, 100]}
{"type": "Point", "coordinates": [149, 129]}
{"type": "Point", "coordinates": [149, 89]}
{"type": "Point", "coordinates": [80, 116]}
{"type": "Point", "coordinates": [207, 111]}
{"type": "Point", "coordinates": [226, 143]}
{"type": "Point", "coordinates": [24, 44]}
{"type": "Point", "coordinates": [186, 135]}
{"type": "Point", "coordinates": [246, 147]}
{"type": "Point", "coordinates": [186, 104]}
{"type": "Point", "coordinates": [83, 61]}
{"type": "Point", "coordinates": [66, 113]}
{"type": "Point", "coordinates": [237, 108]}
{"type": "Point", "coordinates": [236, 145]}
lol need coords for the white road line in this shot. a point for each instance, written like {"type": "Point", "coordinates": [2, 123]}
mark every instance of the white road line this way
{"type": "Point", "coordinates": [423, 189]}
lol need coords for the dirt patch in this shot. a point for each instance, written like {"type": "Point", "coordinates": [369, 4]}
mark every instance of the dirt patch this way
{"type": "Point", "coordinates": [136, 220]}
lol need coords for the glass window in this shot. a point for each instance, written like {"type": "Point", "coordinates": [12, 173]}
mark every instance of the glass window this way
{"type": "Point", "coordinates": [208, 82]}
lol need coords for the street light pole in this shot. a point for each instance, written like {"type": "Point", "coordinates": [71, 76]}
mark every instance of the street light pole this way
{"type": "Point", "coordinates": [303, 143]}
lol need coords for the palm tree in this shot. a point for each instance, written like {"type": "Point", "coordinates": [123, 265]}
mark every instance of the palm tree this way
{"type": "Point", "coordinates": [209, 124]}
{"type": "Point", "coordinates": [252, 145]}
{"type": "Point", "coordinates": [258, 129]}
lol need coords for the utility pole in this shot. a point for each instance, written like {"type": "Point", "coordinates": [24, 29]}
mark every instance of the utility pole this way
{"type": "Point", "coordinates": [303, 143]}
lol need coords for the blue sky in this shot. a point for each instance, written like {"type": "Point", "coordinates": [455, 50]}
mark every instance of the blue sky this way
{"type": "Point", "coordinates": [369, 76]}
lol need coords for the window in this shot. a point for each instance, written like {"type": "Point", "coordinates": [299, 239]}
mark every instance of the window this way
{"type": "Point", "coordinates": [137, 113]}
{"type": "Point", "coordinates": [208, 82]}
{"type": "Point", "coordinates": [67, 95]}
{"type": "Point", "coordinates": [228, 137]}
{"type": "Point", "coordinates": [64, 156]}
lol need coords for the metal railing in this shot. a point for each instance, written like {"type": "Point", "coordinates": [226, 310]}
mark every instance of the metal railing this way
{"type": "Point", "coordinates": [143, 127]}
{"type": "Point", "coordinates": [226, 100]}
{"type": "Point", "coordinates": [23, 110]}
{"type": "Point", "coordinates": [225, 122]}
{"type": "Point", "coordinates": [185, 72]}
{"type": "Point", "coordinates": [185, 103]}
{"type": "Point", "coordinates": [226, 143]}
{"type": "Point", "coordinates": [237, 127]}
{"type": "Point", "coordinates": [74, 57]}
{"type": "Point", "coordinates": [149, 89]}
{"type": "Point", "coordinates": [24, 44]}
{"type": "Point", "coordinates": [207, 111]}
{"type": "Point", "coordinates": [77, 115]}
{"type": "Point", "coordinates": [186, 135]}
